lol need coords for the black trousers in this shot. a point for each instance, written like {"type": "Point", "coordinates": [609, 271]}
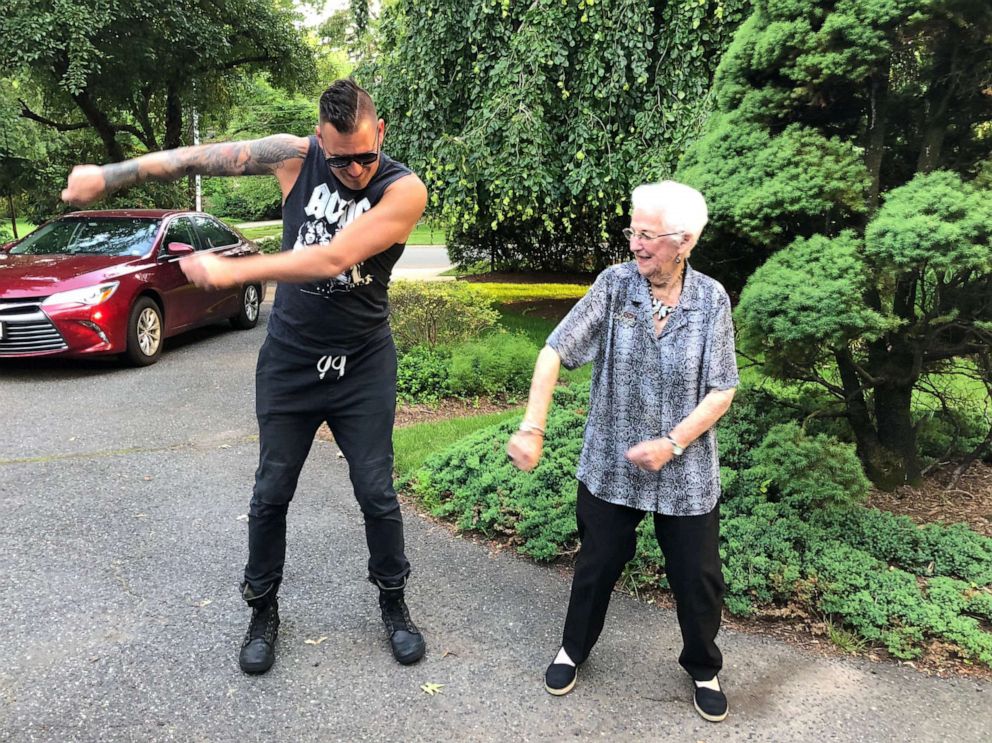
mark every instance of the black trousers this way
{"type": "Point", "coordinates": [691, 546]}
{"type": "Point", "coordinates": [356, 396]}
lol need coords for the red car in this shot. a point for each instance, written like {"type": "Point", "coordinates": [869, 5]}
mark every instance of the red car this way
{"type": "Point", "coordinates": [109, 282]}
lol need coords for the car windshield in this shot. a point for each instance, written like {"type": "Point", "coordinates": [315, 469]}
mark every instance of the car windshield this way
{"type": "Point", "coordinates": [114, 237]}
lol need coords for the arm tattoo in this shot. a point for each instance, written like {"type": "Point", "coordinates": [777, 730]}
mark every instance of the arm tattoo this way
{"type": "Point", "coordinates": [254, 157]}
{"type": "Point", "coordinates": [118, 175]}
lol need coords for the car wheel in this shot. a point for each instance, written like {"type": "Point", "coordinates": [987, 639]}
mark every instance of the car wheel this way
{"type": "Point", "coordinates": [249, 303]}
{"type": "Point", "coordinates": [144, 333]}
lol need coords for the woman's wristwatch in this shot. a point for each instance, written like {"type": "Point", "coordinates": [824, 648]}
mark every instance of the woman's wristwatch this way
{"type": "Point", "coordinates": [676, 449]}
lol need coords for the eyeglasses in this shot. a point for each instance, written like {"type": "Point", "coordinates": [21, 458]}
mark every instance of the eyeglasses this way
{"type": "Point", "coordinates": [646, 237]}
{"type": "Point", "coordinates": [362, 158]}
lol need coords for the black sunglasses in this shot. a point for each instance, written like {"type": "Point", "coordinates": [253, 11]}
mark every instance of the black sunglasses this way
{"type": "Point", "coordinates": [362, 158]}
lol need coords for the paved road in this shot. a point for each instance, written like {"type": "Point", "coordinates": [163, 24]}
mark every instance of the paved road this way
{"type": "Point", "coordinates": [426, 262]}
{"type": "Point", "coordinates": [123, 493]}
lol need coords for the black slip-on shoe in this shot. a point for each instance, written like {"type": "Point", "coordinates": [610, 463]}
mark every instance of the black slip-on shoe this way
{"type": "Point", "coordinates": [559, 679]}
{"type": "Point", "coordinates": [711, 704]}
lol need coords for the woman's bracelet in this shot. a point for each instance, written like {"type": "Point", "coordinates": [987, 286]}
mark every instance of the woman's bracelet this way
{"type": "Point", "coordinates": [526, 427]}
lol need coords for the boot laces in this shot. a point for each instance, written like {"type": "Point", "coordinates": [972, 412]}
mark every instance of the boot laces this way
{"type": "Point", "coordinates": [263, 625]}
{"type": "Point", "coordinates": [396, 615]}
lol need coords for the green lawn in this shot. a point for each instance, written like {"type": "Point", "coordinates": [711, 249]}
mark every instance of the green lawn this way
{"type": "Point", "coordinates": [426, 233]}
{"type": "Point", "coordinates": [23, 226]}
{"type": "Point", "coordinates": [254, 233]}
{"type": "Point", "coordinates": [413, 444]}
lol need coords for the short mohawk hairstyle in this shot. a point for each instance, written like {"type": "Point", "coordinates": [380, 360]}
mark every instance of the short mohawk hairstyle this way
{"type": "Point", "coordinates": [344, 104]}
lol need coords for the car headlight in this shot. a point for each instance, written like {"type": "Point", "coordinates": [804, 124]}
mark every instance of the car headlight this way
{"type": "Point", "coordinates": [89, 296]}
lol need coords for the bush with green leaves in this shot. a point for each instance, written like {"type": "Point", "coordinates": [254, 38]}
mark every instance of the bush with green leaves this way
{"type": "Point", "coordinates": [496, 365]}
{"type": "Point", "coordinates": [500, 364]}
{"type": "Point", "coordinates": [436, 313]}
{"type": "Point", "coordinates": [792, 533]}
{"type": "Point", "coordinates": [809, 472]}
{"type": "Point", "coordinates": [422, 374]}
{"type": "Point", "coordinates": [246, 199]}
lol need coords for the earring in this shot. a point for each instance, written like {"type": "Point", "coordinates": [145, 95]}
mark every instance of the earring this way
{"type": "Point", "coordinates": [678, 259]}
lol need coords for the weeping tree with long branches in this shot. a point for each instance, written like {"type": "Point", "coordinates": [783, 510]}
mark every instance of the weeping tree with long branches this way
{"type": "Point", "coordinates": [531, 121]}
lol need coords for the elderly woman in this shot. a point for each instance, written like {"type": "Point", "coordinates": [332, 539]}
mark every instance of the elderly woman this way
{"type": "Point", "coordinates": [661, 341]}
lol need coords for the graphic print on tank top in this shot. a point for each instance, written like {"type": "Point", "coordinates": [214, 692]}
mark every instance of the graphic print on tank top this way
{"type": "Point", "coordinates": [326, 213]}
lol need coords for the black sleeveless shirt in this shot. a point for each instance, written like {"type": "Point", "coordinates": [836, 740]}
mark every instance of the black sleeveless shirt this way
{"type": "Point", "coordinates": [338, 315]}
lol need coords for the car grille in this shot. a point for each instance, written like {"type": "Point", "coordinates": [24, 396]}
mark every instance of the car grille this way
{"type": "Point", "coordinates": [27, 329]}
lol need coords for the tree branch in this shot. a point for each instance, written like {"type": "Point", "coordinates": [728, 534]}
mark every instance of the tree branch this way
{"type": "Point", "coordinates": [27, 113]}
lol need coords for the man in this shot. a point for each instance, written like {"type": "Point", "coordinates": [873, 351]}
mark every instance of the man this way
{"type": "Point", "coordinates": [661, 340]}
{"type": "Point", "coordinates": [329, 355]}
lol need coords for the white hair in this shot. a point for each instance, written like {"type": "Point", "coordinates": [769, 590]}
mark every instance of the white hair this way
{"type": "Point", "coordinates": [683, 206]}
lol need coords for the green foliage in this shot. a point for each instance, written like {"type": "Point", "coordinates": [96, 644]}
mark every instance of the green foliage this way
{"type": "Point", "coordinates": [422, 374]}
{"type": "Point", "coordinates": [808, 97]}
{"type": "Point", "coordinates": [509, 293]}
{"type": "Point", "coordinates": [805, 302]}
{"type": "Point", "coordinates": [247, 199]}
{"type": "Point", "coordinates": [496, 365]}
{"type": "Point", "coordinates": [414, 444]}
{"type": "Point", "coordinates": [850, 142]}
{"type": "Point", "coordinates": [433, 313]}
{"type": "Point", "coordinates": [874, 577]}
{"type": "Point", "coordinates": [531, 122]}
{"type": "Point", "coordinates": [809, 472]}
{"type": "Point", "coordinates": [474, 484]}
{"type": "Point", "coordinates": [499, 364]}
{"type": "Point", "coordinates": [134, 70]}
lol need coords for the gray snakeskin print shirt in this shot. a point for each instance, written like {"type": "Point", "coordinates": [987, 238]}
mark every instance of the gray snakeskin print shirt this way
{"type": "Point", "coordinates": [643, 385]}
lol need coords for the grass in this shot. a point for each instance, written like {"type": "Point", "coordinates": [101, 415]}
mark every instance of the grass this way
{"type": "Point", "coordinates": [253, 233]}
{"type": "Point", "coordinates": [413, 444]}
{"type": "Point", "coordinates": [426, 233]}
{"type": "Point", "coordinates": [537, 329]}
{"type": "Point", "coordinates": [23, 226]}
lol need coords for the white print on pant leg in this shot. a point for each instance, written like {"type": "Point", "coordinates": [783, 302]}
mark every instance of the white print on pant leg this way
{"type": "Point", "coordinates": [332, 362]}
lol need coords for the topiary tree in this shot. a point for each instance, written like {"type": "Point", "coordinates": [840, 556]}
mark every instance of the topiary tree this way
{"type": "Point", "coordinates": [531, 122]}
{"type": "Point", "coordinates": [851, 140]}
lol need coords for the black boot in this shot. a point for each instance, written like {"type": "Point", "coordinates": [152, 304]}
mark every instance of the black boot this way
{"type": "Point", "coordinates": [404, 637]}
{"type": "Point", "coordinates": [258, 651]}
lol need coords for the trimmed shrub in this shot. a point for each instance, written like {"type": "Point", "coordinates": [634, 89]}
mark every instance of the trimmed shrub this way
{"type": "Point", "coordinates": [436, 313]}
{"type": "Point", "coordinates": [422, 374]}
{"type": "Point", "coordinates": [810, 471]}
{"type": "Point", "coordinates": [500, 364]}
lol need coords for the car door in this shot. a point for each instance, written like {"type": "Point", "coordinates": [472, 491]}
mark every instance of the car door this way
{"type": "Point", "coordinates": [184, 303]}
{"type": "Point", "coordinates": [217, 238]}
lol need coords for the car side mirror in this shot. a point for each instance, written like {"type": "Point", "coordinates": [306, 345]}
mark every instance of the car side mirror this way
{"type": "Point", "coordinates": [175, 249]}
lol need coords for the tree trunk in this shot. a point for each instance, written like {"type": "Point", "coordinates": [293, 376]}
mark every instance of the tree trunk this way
{"type": "Point", "coordinates": [877, 117]}
{"type": "Point", "coordinates": [935, 105]}
{"type": "Point", "coordinates": [897, 435]}
{"type": "Point", "coordinates": [13, 214]}
{"type": "Point", "coordinates": [173, 119]}
{"type": "Point", "coordinates": [859, 418]}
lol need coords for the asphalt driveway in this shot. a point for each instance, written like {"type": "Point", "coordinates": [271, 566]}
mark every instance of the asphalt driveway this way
{"type": "Point", "coordinates": [123, 493]}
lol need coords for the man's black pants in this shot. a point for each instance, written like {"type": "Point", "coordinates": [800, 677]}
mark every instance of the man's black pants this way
{"type": "Point", "coordinates": [356, 396]}
{"type": "Point", "coordinates": [691, 546]}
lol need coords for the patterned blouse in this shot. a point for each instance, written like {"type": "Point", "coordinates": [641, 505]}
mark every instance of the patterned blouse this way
{"type": "Point", "coordinates": [644, 385]}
